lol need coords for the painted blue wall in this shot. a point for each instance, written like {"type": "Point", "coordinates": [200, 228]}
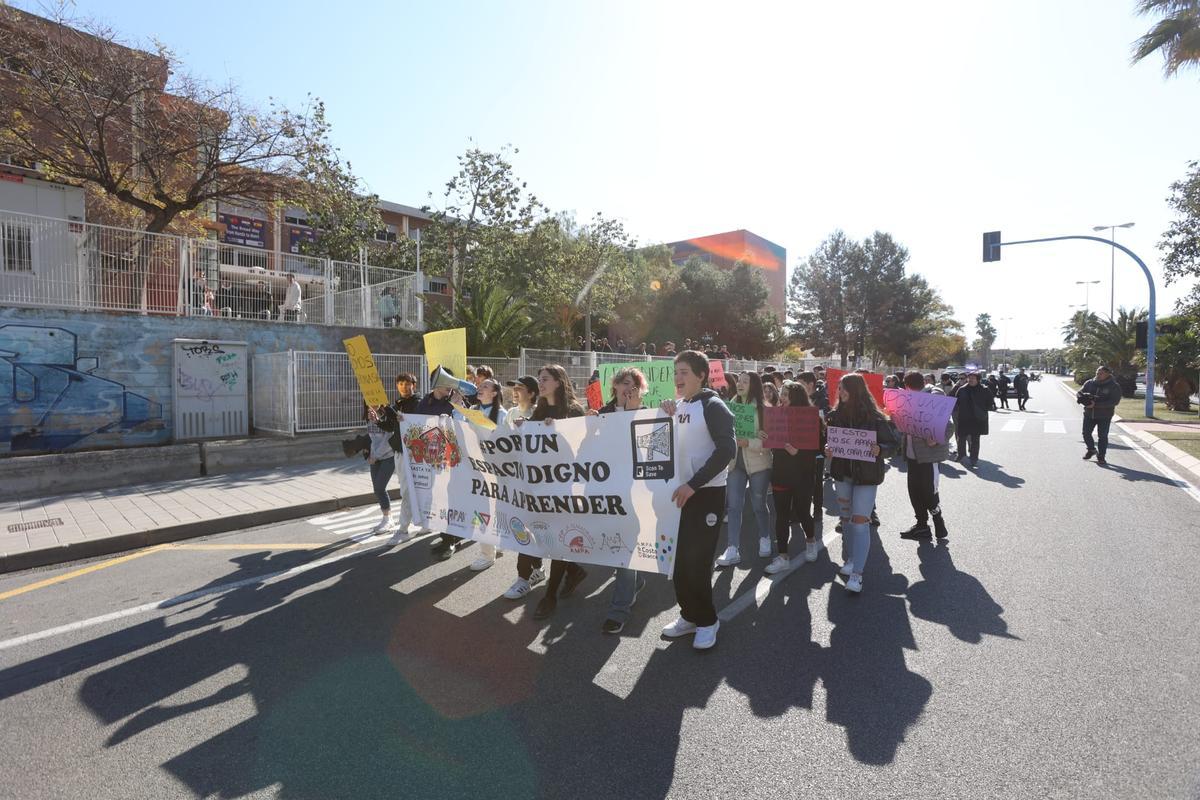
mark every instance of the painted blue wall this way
{"type": "Point", "coordinates": [73, 380]}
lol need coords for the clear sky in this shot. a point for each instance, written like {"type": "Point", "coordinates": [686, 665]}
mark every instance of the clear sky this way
{"type": "Point", "coordinates": [933, 121]}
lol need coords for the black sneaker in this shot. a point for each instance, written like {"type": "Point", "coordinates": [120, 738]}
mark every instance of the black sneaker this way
{"type": "Point", "coordinates": [545, 607]}
{"type": "Point", "coordinates": [838, 529]}
{"type": "Point", "coordinates": [1101, 461]}
{"type": "Point", "coordinates": [939, 526]}
{"type": "Point", "coordinates": [445, 553]}
{"type": "Point", "coordinates": [918, 531]}
{"type": "Point", "coordinates": [572, 581]}
{"type": "Point", "coordinates": [1088, 454]}
{"type": "Point", "coordinates": [874, 519]}
{"type": "Point", "coordinates": [612, 626]}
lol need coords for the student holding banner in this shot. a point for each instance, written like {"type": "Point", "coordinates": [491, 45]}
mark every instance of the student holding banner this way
{"type": "Point", "coordinates": [751, 467]}
{"type": "Point", "coordinates": [857, 481]}
{"type": "Point", "coordinates": [706, 444]}
{"type": "Point", "coordinates": [437, 403]}
{"type": "Point", "coordinates": [488, 395]}
{"type": "Point", "coordinates": [793, 479]}
{"type": "Point", "coordinates": [924, 457]}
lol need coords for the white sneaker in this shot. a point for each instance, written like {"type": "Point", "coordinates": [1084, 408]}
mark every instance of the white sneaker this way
{"type": "Point", "coordinates": [706, 637]}
{"type": "Point", "coordinates": [854, 584]}
{"type": "Point", "coordinates": [536, 577]}
{"type": "Point", "coordinates": [400, 535]}
{"type": "Point", "coordinates": [764, 548]}
{"type": "Point", "coordinates": [519, 589]}
{"type": "Point", "coordinates": [778, 565]}
{"type": "Point", "coordinates": [384, 526]}
{"type": "Point", "coordinates": [481, 563]}
{"type": "Point", "coordinates": [730, 557]}
{"type": "Point", "coordinates": [680, 627]}
{"type": "Point", "coordinates": [812, 550]}
{"type": "Point", "coordinates": [847, 569]}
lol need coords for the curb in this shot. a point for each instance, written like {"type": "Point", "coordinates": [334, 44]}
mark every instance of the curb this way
{"type": "Point", "coordinates": [1175, 457]}
{"type": "Point", "coordinates": [76, 551]}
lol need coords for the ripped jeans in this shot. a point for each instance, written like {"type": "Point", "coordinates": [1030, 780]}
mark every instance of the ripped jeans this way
{"type": "Point", "coordinates": [855, 503]}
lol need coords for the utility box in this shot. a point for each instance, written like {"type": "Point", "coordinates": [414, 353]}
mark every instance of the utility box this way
{"type": "Point", "coordinates": [210, 389]}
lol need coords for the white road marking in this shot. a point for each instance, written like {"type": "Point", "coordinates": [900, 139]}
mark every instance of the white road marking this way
{"type": "Point", "coordinates": [1014, 426]}
{"type": "Point", "coordinates": [1055, 426]}
{"type": "Point", "coordinates": [1166, 471]}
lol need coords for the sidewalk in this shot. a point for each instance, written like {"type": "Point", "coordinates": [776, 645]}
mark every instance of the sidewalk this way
{"type": "Point", "coordinates": [66, 527]}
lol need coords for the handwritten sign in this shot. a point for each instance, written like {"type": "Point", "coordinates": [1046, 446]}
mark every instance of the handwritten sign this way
{"type": "Point", "coordinates": [595, 395]}
{"type": "Point", "coordinates": [799, 426]}
{"type": "Point", "coordinates": [660, 376]}
{"type": "Point", "coordinates": [874, 385]}
{"type": "Point", "coordinates": [716, 374]}
{"type": "Point", "coordinates": [447, 349]}
{"type": "Point", "coordinates": [364, 369]}
{"type": "Point", "coordinates": [476, 416]}
{"type": "Point", "coordinates": [745, 420]}
{"type": "Point", "coordinates": [919, 414]}
{"type": "Point", "coordinates": [851, 443]}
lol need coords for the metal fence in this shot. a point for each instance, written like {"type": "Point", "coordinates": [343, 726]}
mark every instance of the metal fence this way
{"type": "Point", "coordinates": [56, 263]}
{"type": "Point", "coordinates": [273, 404]}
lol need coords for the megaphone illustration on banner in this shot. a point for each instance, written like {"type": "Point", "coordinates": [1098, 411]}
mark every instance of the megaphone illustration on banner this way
{"type": "Point", "coordinates": [441, 379]}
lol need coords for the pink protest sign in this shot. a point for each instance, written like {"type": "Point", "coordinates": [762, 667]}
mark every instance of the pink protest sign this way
{"type": "Point", "coordinates": [716, 374]}
{"type": "Point", "coordinates": [799, 426]}
{"type": "Point", "coordinates": [874, 384]}
{"type": "Point", "coordinates": [852, 443]}
{"type": "Point", "coordinates": [919, 414]}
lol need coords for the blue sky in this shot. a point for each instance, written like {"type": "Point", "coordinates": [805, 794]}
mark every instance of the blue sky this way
{"type": "Point", "coordinates": [933, 121]}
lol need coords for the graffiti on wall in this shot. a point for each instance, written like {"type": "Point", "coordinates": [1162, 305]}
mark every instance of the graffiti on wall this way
{"type": "Point", "coordinates": [51, 398]}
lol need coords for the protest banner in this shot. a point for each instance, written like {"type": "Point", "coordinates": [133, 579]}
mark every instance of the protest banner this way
{"type": "Point", "coordinates": [364, 370]}
{"type": "Point", "coordinates": [745, 420]}
{"type": "Point", "coordinates": [874, 385]}
{"type": "Point", "coordinates": [716, 373]}
{"type": "Point", "coordinates": [799, 426]}
{"type": "Point", "coordinates": [660, 377]}
{"type": "Point", "coordinates": [919, 414]}
{"type": "Point", "coordinates": [447, 349]}
{"type": "Point", "coordinates": [852, 443]}
{"type": "Point", "coordinates": [595, 395]}
{"type": "Point", "coordinates": [476, 416]}
{"type": "Point", "coordinates": [595, 490]}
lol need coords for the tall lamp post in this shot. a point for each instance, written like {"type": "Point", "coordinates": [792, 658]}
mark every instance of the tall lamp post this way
{"type": "Point", "coordinates": [1112, 267]}
{"type": "Point", "coordinates": [1087, 285]}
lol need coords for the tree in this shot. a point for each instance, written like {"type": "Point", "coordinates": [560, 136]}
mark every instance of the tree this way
{"type": "Point", "coordinates": [498, 323]}
{"type": "Point", "coordinates": [1176, 35]}
{"type": "Point", "coordinates": [1181, 242]}
{"type": "Point", "coordinates": [987, 336]}
{"type": "Point", "coordinates": [1080, 321]}
{"type": "Point", "coordinates": [728, 304]}
{"type": "Point", "coordinates": [1110, 342]}
{"type": "Point", "coordinates": [817, 297]}
{"type": "Point", "coordinates": [345, 219]}
{"type": "Point", "coordinates": [1177, 360]}
{"type": "Point", "coordinates": [138, 131]}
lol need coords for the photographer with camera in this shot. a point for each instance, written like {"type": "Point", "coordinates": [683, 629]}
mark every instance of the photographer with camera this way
{"type": "Point", "coordinates": [1099, 397]}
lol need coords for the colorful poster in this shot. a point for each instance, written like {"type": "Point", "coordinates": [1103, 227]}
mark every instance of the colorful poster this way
{"type": "Point", "coordinates": [447, 349]}
{"type": "Point", "coordinates": [246, 231]}
{"type": "Point", "coordinates": [595, 395]}
{"type": "Point", "coordinates": [364, 369]}
{"type": "Point", "coordinates": [874, 385]}
{"type": "Point", "coordinates": [595, 490]}
{"type": "Point", "coordinates": [660, 376]}
{"type": "Point", "coordinates": [799, 426]}
{"type": "Point", "coordinates": [716, 373]}
{"type": "Point", "coordinates": [852, 443]}
{"type": "Point", "coordinates": [919, 414]}
{"type": "Point", "coordinates": [745, 420]}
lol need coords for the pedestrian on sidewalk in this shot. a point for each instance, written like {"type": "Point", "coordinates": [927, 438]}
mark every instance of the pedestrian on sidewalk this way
{"type": "Point", "coordinates": [381, 427]}
{"type": "Point", "coordinates": [971, 415]}
{"type": "Point", "coordinates": [1021, 387]}
{"type": "Point", "coordinates": [794, 477]}
{"type": "Point", "coordinates": [706, 445]}
{"type": "Point", "coordinates": [750, 469]}
{"type": "Point", "coordinates": [924, 458]}
{"type": "Point", "coordinates": [857, 482]}
{"type": "Point", "coordinates": [1100, 397]}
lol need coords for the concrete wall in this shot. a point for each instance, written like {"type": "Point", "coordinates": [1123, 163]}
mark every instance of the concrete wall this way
{"type": "Point", "coordinates": [77, 380]}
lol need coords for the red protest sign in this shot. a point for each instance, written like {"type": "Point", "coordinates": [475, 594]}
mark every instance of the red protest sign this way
{"type": "Point", "coordinates": [595, 395]}
{"type": "Point", "coordinates": [799, 426]}
{"type": "Point", "coordinates": [716, 374]}
{"type": "Point", "coordinates": [874, 385]}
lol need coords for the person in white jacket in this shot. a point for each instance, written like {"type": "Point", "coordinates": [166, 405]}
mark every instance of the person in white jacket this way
{"type": "Point", "coordinates": [291, 299]}
{"type": "Point", "coordinates": [750, 467]}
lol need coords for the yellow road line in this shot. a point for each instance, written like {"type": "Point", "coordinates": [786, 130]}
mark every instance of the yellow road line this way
{"type": "Point", "coordinates": [268, 546]}
{"type": "Point", "coordinates": [112, 562]}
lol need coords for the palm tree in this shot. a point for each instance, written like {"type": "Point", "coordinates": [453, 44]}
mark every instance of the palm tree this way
{"type": "Point", "coordinates": [1111, 342]}
{"type": "Point", "coordinates": [1080, 321]}
{"type": "Point", "coordinates": [498, 323]}
{"type": "Point", "coordinates": [1176, 35]}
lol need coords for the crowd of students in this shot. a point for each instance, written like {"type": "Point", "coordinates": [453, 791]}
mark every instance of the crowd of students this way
{"type": "Point", "coordinates": [720, 474]}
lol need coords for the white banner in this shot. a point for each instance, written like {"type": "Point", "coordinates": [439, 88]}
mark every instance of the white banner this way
{"type": "Point", "coordinates": [595, 490]}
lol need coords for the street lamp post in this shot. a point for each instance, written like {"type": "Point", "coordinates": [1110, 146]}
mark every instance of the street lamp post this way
{"type": "Point", "coordinates": [1112, 266]}
{"type": "Point", "coordinates": [1087, 285]}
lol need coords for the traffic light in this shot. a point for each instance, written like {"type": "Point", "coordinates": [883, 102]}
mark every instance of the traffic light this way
{"type": "Point", "coordinates": [991, 246]}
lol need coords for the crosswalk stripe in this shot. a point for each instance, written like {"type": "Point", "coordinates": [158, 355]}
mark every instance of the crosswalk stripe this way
{"type": "Point", "coordinates": [1055, 426]}
{"type": "Point", "coordinates": [1014, 425]}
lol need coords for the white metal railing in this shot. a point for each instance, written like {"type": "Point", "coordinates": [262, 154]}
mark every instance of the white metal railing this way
{"type": "Point", "coordinates": [56, 263]}
{"type": "Point", "coordinates": [272, 398]}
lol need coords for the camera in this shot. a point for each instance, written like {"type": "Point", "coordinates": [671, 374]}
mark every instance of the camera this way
{"type": "Point", "coordinates": [1086, 398]}
{"type": "Point", "coordinates": [359, 444]}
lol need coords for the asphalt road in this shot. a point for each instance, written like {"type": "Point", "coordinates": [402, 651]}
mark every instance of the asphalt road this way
{"type": "Point", "coordinates": [1051, 649]}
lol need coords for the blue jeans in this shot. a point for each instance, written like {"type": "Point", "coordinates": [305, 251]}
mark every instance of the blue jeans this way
{"type": "Point", "coordinates": [735, 501]}
{"type": "Point", "coordinates": [626, 584]}
{"type": "Point", "coordinates": [381, 473]}
{"type": "Point", "coordinates": [856, 501]}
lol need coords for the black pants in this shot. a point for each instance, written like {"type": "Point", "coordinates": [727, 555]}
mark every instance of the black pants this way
{"type": "Point", "coordinates": [818, 492]}
{"type": "Point", "coordinates": [526, 565]}
{"type": "Point", "coordinates": [1022, 399]}
{"type": "Point", "coordinates": [1100, 425]}
{"type": "Point", "coordinates": [923, 490]}
{"type": "Point", "coordinates": [968, 445]}
{"type": "Point", "coordinates": [696, 547]}
{"type": "Point", "coordinates": [792, 504]}
{"type": "Point", "coordinates": [1004, 399]}
{"type": "Point", "coordinates": [558, 569]}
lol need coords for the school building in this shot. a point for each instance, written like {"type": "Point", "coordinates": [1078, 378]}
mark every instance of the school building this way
{"type": "Point", "coordinates": [726, 249]}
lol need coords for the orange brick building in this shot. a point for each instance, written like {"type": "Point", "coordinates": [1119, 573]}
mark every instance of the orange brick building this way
{"type": "Point", "coordinates": [724, 250]}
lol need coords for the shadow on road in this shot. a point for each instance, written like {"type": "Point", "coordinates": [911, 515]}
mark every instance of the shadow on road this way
{"type": "Point", "coordinates": [949, 597]}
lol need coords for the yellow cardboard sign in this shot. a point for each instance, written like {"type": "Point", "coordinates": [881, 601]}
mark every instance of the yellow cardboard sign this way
{"type": "Point", "coordinates": [448, 349]}
{"type": "Point", "coordinates": [476, 416]}
{"type": "Point", "coordinates": [364, 369]}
